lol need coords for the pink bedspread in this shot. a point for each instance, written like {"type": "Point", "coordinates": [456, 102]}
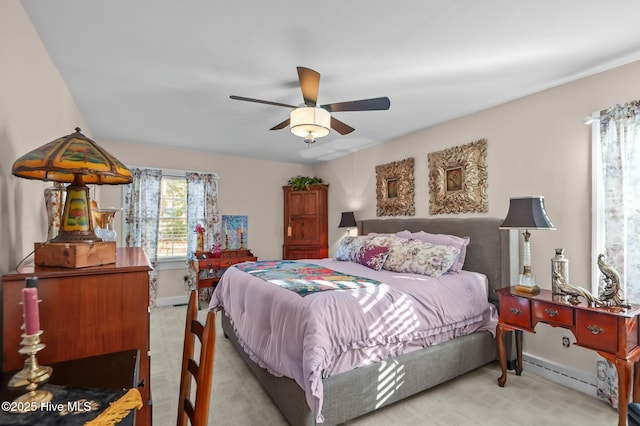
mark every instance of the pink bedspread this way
{"type": "Point", "coordinates": [326, 333]}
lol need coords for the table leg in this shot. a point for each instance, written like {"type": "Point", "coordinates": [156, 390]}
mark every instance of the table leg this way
{"type": "Point", "coordinates": [501, 355]}
{"type": "Point", "coordinates": [623, 367]}
{"type": "Point", "coordinates": [519, 352]}
{"type": "Point", "coordinates": [636, 382]}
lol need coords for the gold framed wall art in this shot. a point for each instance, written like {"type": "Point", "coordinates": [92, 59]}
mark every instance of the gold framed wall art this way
{"type": "Point", "coordinates": [458, 179]}
{"type": "Point", "coordinates": [395, 188]}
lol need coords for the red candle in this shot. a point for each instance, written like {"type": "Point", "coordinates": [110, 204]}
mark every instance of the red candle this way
{"type": "Point", "coordinates": [30, 308]}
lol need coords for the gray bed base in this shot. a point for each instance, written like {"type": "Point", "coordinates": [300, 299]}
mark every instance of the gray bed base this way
{"type": "Point", "coordinates": [354, 393]}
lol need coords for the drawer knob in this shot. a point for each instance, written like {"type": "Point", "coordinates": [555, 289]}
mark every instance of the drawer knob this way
{"type": "Point", "coordinates": [515, 311]}
{"type": "Point", "coordinates": [595, 329]}
{"type": "Point", "coordinates": [551, 312]}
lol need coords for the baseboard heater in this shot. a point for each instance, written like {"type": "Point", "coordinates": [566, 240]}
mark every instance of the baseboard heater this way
{"type": "Point", "coordinates": [574, 379]}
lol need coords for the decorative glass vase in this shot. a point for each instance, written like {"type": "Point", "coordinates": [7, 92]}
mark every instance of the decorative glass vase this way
{"type": "Point", "coordinates": [54, 197]}
{"type": "Point", "coordinates": [103, 223]}
{"type": "Point", "coordinates": [200, 244]}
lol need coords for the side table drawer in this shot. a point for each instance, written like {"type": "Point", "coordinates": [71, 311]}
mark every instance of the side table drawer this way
{"type": "Point", "coordinates": [208, 264]}
{"type": "Point", "coordinates": [225, 263]}
{"type": "Point", "coordinates": [597, 331]}
{"type": "Point", "coordinates": [553, 314]}
{"type": "Point", "coordinates": [515, 311]}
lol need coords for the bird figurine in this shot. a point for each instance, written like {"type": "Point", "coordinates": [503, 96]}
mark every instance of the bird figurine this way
{"type": "Point", "coordinates": [610, 295]}
{"type": "Point", "coordinates": [566, 289]}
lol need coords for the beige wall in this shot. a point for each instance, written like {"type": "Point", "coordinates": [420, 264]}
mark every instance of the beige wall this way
{"type": "Point", "coordinates": [35, 108]}
{"type": "Point", "coordinates": [246, 187]}
{"type": "Point", "coordinates": [538, 145]}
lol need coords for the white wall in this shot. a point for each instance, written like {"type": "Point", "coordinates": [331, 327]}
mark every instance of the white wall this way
{"type": "Point", "coordinates": [537, 145]}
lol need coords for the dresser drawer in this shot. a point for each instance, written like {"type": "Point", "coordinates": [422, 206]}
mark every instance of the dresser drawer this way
{"type": "Point", "coordinates": [515, 311]}
{"type": "Point", "coordinates": [208, 264]}
{"type": "Point", "coordinates": [597, 331]}
{"type": "Point", "coordinates": [553, 314]}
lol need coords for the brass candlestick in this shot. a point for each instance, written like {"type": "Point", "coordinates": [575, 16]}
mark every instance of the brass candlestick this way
{"type": "Point", "coordinates": [32, 375]}
{"type": "Point", "coordinates": [226, 242]}
{"type": "Point", "coordinates": [241, 240]}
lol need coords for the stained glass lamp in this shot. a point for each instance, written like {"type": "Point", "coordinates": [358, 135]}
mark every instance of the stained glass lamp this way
{"type": "Point", "coordinates": [77, 160]}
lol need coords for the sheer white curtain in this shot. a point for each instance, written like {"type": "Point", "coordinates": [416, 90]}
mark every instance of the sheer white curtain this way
{"type": "Point", "coordinates": [141, 218]}
{"type": "Point", "coordinates": [202, 208]}
{"type": "Point", "coordinates": [617, 212]}
{"type": "Point", "coordinates": [620, 153]}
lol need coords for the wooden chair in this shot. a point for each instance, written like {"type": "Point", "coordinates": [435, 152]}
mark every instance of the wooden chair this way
{"type": "Point", "coordinates": [201, 370]}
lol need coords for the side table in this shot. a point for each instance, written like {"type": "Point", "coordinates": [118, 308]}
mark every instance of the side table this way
{"type": "Point", "coordinates": [611, 332]}
{"type": "Point", "coordinates": [209, 269]}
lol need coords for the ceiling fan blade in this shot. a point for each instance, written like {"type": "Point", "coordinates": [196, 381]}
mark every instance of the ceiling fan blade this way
{"type": "Point", "coordinates": [259, 101]}
{"type": "Point", "coordinates": [361, 105]}
{"type": "Point", "coordinates": [309, 83]}
{"type": "Point", "coordinates": [340, 127]}
{"type": "Point", "coordinates": [282, 125]}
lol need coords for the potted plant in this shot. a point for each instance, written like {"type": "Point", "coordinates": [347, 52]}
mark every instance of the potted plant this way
{"type": "Point", "coordinates": [299, 183]}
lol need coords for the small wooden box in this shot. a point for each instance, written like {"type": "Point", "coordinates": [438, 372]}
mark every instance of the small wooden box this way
{"type": "Point", "coordinates": [75, 254]}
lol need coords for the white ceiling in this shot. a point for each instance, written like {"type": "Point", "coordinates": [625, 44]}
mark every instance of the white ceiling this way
{"type": "Point", "coordinates": [161, 71]}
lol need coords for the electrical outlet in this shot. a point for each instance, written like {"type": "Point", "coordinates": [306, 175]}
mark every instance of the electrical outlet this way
{"type": "Point", "coordinates": [565, 342]}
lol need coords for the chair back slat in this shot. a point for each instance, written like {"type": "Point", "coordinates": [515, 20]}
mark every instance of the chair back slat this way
{"type": "Point", "coordinates": [200, 371]}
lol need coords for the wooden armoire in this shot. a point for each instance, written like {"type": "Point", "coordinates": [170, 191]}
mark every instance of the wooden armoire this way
{"type": "Point", "coordinates": [305, 223]}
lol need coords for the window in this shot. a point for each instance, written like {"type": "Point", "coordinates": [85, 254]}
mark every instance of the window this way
{"type": "Point", "coordinates": [616, 176]}
{"type": "Point", "coordinates": [162, 208]}
{"type": "Point", "coordinates": [172, 226]}
{"type": "Point", "coordinates": [616, 211]}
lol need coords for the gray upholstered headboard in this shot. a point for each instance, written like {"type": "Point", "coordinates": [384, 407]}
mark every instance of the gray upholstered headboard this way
{"type": "Point", "coordinates": [488, 251]}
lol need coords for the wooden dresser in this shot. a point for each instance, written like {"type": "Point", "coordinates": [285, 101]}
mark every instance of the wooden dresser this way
{"type": "Point", "coordinates": [305, 223]}
{"type": "Point", "coordinates": [85, 312]}
{"type": "Point", "coordinates": [209, 269]}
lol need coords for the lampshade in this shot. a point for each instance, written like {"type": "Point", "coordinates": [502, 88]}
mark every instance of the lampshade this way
{"type": "Point", "coordinates": [310, 122]}
{"type": "Point", "coordinates": [77, 160]}
{"type": "Point", "coordinates": [527, 213]}
{"type": "Point", "coordinates": [348, 220]}
{"type": "Point", "coordinates": [69, 156]}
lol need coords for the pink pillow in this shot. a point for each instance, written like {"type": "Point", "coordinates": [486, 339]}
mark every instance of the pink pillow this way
{"type": "Point", "coordinates": [460, 243]}
{"type": "Point", "coordinates": [372, 256]}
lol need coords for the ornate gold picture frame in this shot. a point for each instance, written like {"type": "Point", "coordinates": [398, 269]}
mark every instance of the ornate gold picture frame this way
{"type": "Point", "coordinates": [395, 188]}
{"type": "Point", "coordinates": [458, 179]}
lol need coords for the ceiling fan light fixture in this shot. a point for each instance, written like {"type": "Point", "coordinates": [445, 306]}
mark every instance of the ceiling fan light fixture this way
{"type": "Point", "coordinates": [310, 122]}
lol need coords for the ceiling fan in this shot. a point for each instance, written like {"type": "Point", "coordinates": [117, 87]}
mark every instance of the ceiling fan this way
{"type": "Point", "coordinates": [310, 120]}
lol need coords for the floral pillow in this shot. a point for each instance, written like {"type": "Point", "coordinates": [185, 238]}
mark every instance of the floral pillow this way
{"type": "Point", "coordinates": [460, 243]}
{"type": "Point", "coordinates": [372, 256]}
{"type": "Point", "coordinates": [359, 249]}
{"type": "Point", "coordinates": [348, 248]}
{"type": "Point", "coordinates": [419, 257]}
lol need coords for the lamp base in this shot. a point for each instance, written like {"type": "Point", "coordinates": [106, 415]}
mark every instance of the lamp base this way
{"type": "Point", "coordinates": [529, 289]}
{"type": "Point", "coordinates": [75, 255]}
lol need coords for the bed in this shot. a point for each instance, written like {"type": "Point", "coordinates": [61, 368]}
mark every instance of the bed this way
{"type": "Point", "coordinates": [350, 393]}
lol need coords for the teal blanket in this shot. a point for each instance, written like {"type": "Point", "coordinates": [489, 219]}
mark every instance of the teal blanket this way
{"type": "Point", "coordinates": [304, 278]}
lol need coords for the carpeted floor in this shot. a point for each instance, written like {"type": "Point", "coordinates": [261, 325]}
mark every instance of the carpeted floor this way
{"type": "Point", "coordinates": [473, 399]}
